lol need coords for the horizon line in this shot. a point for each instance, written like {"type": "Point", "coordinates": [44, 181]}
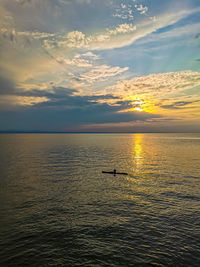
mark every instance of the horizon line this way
{"type": "Point", "coordinates": [85, 132]}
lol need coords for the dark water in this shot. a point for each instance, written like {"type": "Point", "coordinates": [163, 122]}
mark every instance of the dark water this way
{"type": "Point", "coordinates": [58, 209]}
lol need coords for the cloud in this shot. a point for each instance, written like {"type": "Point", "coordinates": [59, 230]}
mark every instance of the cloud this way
{"type": "Point", "coordinates": [178, 32]}
{"type": "Point", "coordinates": [23, 2]}
{"type": "Point", "coordinates": [13, 102]}
{"type": "Point", "coordinates": [124, 12]}
{"type": "Point", "coordinates": [64, 109]}
{"type": "Point", "coordinates": [88, 54]}
{"type": "Point", "coordinates": [101, 72]}
{"type": "Point", "coordinates": [94, 78]}
{"type": "Point", "coordinates": [158, 85]}
{"type": "Point", "coordinates": [115, 37]}
{"type": "Point", "coordinates": [121, 35]}
{"type": "Point", "coordinates": [78, 1]}
{"type": "Point", "coordinates": [181, 105]}
{"type": "Point", "coordinates": [76, 39]}
{"type": "Point", "coordinates": [77, 62]}
{"type": "Point", "coordinates": [12, 96]}
{"type": "Point", "coordinates": [25, 38]}
{"type": "Point", "coordinates": [7, 86]}
{"type": "Point", "coordinates": [106, 40]}
{"type": "Point", "coordinates": [122, 29]}
{"type": "Point", "coordinates": [142, 9]}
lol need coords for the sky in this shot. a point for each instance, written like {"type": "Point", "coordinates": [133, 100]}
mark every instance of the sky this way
{"type": "Point", "coordinates": [100, 65]}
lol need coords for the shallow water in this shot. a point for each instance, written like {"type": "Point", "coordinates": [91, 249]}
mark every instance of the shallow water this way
{"type": "Point", "coordinates": [58, 209]}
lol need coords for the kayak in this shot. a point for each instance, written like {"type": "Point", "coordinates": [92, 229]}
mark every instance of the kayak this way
{"type": "Point", "coordinates": [112, 172]}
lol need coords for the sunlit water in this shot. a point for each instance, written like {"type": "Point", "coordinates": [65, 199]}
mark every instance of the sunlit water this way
{"type": "Point", "coordinates": [57, 208]}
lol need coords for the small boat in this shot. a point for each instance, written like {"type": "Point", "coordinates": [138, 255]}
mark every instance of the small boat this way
{"type": "Point", "coordinates": [114, 172]}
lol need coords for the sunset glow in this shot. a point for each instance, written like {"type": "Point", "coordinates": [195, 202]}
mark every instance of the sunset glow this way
{"type": "Point", "coordinates": [82, 64]}
{"type": "Point", "coordinates": [138, 109]}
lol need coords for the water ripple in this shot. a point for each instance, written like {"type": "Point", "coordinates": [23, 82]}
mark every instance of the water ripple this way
{"type": "Point", "coordinates": [58, 209]}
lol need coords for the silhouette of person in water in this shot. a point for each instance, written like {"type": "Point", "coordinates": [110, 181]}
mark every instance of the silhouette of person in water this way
{"type": "Point", "coordinates": [114, 171]}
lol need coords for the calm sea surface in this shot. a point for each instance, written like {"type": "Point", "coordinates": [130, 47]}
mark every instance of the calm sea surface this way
{"type": "Point", "coordinates": [57, 208]}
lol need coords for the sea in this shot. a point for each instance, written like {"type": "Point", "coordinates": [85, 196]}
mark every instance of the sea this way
{"type": "Point", "coordinates": [57, 208]}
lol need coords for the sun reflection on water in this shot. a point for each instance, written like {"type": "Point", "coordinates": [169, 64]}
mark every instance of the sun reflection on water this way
{"type": "Point", "coordinates": [138, 151]}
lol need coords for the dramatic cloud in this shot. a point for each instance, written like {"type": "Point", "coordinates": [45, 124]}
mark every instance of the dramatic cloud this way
{"type": "Point", "coordinates": [63, 110]}
{"type": "Point", "coordinates": [79, 64]}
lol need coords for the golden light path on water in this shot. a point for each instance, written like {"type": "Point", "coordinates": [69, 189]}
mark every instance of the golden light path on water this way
{"type": "Point", "coordinates": [137, 150]}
